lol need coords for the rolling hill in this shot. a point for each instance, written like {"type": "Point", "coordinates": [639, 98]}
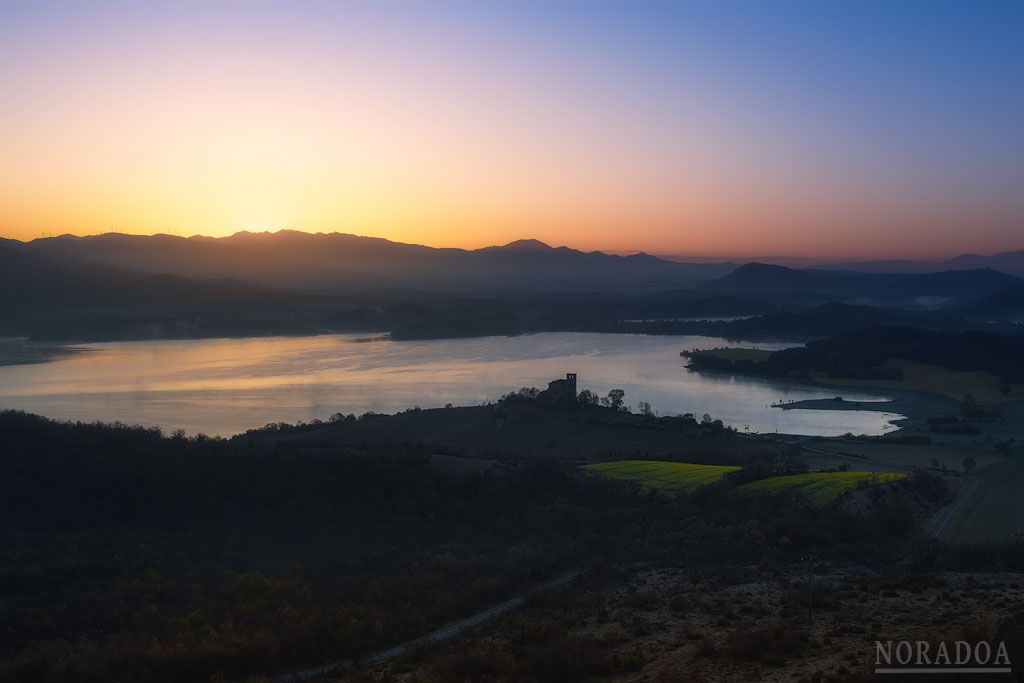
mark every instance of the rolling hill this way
{"type": "Point", "coordinates": [926, 290]}
{"type": "Point", "coordinates": [1007, 261]}
{"type": "Point", "coordinates": [42, 299]}
{"type": "Point", "coordinates": [1005, 305]}
{"type": "Point", "coordinates": [34, 284]}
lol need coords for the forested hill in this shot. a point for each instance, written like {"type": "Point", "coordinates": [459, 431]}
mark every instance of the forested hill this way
{"type": "Point", "coordinates": [897, 289]}
{"type": "Point", "coordinates": [863, 353]}
{"type": "Point", "coordinates": [127, 555]}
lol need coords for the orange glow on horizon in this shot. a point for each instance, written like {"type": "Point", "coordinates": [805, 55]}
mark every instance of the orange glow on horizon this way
{"type": "Point", "coordinates": [192, 127]}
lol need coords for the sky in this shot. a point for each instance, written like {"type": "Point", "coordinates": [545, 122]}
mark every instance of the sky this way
{"type": "Point", "coordinates": [834, 129]}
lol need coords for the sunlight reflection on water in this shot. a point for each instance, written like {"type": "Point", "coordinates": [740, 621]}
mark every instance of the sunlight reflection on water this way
{"type": "Point", "coordinates": [224, 386]}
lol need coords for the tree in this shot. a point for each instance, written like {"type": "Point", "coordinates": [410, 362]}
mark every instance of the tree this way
{"type": "Point", "coordinates": [968, 406]}
{"type": "Point", "coordinates": [644, 408]}
{"type": "Point", "coordinates": [587, 398]}
{"type": "Point", "coordinates": [968, 464]}
{"type": "Point", "coordinates": [615, 398]}
{"type": "Point", "coordinates": [529, 393]}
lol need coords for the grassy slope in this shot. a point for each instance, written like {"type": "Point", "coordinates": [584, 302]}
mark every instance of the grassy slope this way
{"type": "Point", "coordinates": [938, 380]}
{"type": "Point", "coordinates": [820, 488]}
{"type": "Point", "coordinates": [662, 475]}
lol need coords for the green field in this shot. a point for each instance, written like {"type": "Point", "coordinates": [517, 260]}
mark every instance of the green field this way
{"type": "Point", "coordinates": [820, 488]}
{"type": "Point", "coordinates": [673, 476]}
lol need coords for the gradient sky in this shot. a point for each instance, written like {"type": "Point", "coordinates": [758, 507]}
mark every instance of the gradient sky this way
{"type": "Point", "coordinates": [846, 129]}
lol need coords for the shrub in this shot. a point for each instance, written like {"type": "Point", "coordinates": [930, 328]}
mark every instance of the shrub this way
{"type": "Point", "coordinates": [771, 643]}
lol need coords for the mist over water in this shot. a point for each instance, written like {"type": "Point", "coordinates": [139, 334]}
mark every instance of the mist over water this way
{"type": "Point", "coordinates": [225, 386]}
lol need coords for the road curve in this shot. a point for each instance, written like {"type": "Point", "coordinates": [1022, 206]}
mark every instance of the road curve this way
{"type": "Point", "coordinates": [940, 524]}
{"type": "Point", "coordinates": [440, 634]}
{"type": "Point", "coordinates": [994, 512]}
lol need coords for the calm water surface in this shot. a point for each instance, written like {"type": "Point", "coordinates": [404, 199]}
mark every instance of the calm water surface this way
{"type": "Point", "coordinates": [225, 386]}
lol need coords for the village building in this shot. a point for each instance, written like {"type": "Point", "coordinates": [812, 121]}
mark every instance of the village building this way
{"type": "Point", "coordinates": [561, 391]}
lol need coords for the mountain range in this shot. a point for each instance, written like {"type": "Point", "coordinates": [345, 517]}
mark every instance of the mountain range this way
{"type": "Point", "coordinates": [127, 286]}
{"type": "Point", "coordinates": [343, 262]}
{"type": "Point", "coordinates": [340, 262]}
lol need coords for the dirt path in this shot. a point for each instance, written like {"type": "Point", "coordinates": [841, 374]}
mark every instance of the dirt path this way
{"type": "Point", "coordinates": [440, 634]}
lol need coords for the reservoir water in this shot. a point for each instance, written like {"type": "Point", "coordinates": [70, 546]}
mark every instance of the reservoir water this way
{"type": "Point", "coordinates": [225, 386]}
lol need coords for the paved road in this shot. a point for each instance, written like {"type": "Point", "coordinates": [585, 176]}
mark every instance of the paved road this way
{"type": "Point", "coordinates": [942, 525]}
{"type": "Point", "coordinates": [440, 634]}
{"type": "Point", "coordinates": [989, 507]}
{"type": "Point", "coordinates": [992, 510]}
{"type": "Point", "coordinates": [950, 519]}
{"type": "Point", "coordinates": [945, 524]}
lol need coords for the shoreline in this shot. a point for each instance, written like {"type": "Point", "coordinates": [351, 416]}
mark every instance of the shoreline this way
{"type": "Point", "coordinates": [911, 405]}
{"type": "Point", "coordinates": [23, 352]}
{"type": "Point", "coordinates": [907, 402]}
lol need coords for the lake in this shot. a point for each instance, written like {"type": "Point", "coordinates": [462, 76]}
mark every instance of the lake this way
{"type": "Point", "coordinates": [225, 386]}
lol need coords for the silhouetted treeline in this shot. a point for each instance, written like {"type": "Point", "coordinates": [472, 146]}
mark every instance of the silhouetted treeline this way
{"type": "Point", "coordinates": [862, 354]}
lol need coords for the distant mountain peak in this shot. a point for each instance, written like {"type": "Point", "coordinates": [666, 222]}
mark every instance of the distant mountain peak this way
{"type": "Point", "coordinates": [527, 245]}
{"type": "Point", "coordinates": [758, 267]}
{"type": "Point", "coordinates": [642, 256]}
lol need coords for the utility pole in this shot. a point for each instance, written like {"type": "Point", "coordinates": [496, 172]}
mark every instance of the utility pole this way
{"type": "Point", "coordinates": [811, 559]}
